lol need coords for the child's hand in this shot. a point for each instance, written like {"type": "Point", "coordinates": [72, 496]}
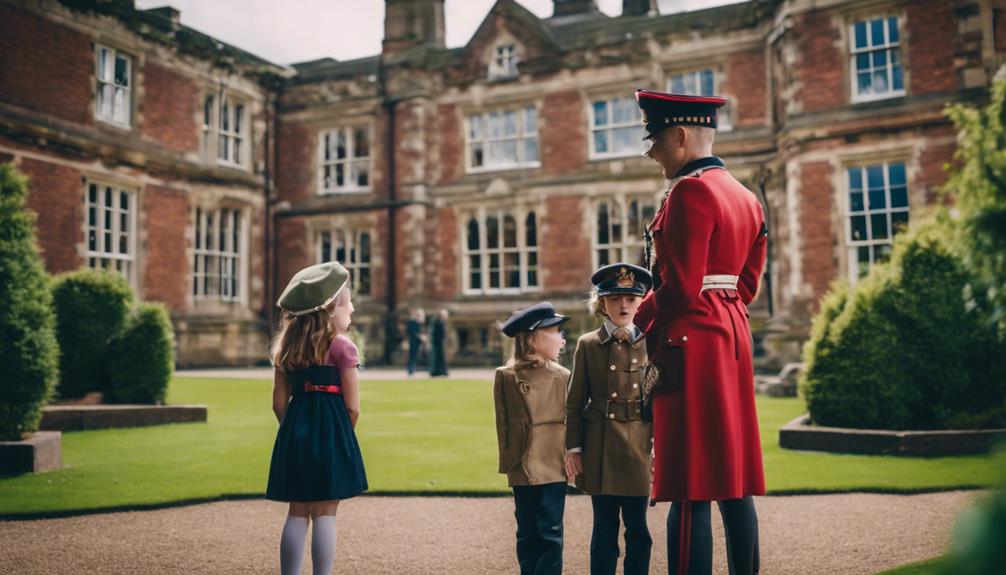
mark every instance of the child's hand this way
{"type": "Point", "coordinates": [574, 465]}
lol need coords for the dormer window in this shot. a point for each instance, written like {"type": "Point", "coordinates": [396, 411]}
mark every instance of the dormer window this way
{"type": "Point", "coordinates": [504, 62]}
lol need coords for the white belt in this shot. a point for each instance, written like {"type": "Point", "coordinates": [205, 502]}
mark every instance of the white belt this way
{"type": "Point", "coordinates": [719, 282]}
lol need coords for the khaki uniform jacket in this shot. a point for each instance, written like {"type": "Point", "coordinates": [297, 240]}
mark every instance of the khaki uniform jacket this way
{"type": "Point", "coordinates": [603, 416]}
{"type": "Point", "coordinates": [531, 423]}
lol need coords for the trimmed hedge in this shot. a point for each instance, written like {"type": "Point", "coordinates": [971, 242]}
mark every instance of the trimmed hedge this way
{"type": "Point", "coordinates": [91, 309]}
{"type": "Point", "coordinates": [141, 359]}
{"type": "Point", "coordinates": [905, 350]}
{"type": "Point", "coordinates": [29, 354]}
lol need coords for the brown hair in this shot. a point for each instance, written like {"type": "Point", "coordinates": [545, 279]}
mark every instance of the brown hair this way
{"type": "Point", "coordinates": [303, 340]}
{"type": "Point", "coordinates": [595, 304]}
{"type": "Point", "coordinates": [525, 350]}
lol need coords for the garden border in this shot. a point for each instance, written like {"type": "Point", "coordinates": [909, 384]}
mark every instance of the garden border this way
{"type": "Point", "coordinates": [88, 417]}
{"type": "Point", "coordinates": [799, 434]}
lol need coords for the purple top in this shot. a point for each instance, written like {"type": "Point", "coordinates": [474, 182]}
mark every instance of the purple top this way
{"type": "Point", "coordinates": [342, 353]}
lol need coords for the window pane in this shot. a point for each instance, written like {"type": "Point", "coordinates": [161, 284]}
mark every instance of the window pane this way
{"type": "Point", "coordinates": [707, 83]}
{"type": "Point", "coordinates": [208, 112]}
{"type": "Point", "coordinates": [340, 144]}
{"type": "Point", "coordinates": [897, 79]}
{"type": "Point", "coordinates": [856, 202]}
{"type": "Point", "coordinates": [601, 142]}
{"type": "Point", "coordinates": [678, 84]}
{"type": "Point", "coordinates": [512, 269]}
{"type": "Point", "coordinates": [880, 58]}
{"type": "Point", "coordinates": [877, 200]}
{"type": "Point", "coordinates": [531, 120]}
{"type": "Point", "coordinates": [509, 232]}
{"type": "Point", "coordinates": [476, 126]}
{"type": "Point", "coordinates": [626, 139]}
{"type": "Point", "coordinates": [881, 253]}
{"type": "Point", "coordinates": [864, 83]}
{"type": "Point", "coordinates": [896, 174]}
{"type": "Point", "coordinates": [602, 224]}
{"type": "Point", "coordinates": [862, 61]}
{"type": "Point", "coordinates": [625, 111]}
{"type": "Point", "coordinates": [492, 232]}
{"type": "Point", "coordinates": [877, 31]}
{"type": "Point", "coordinates": [892, 30]}
{"type": "Point", "coordinates": [875, 177]}
{"type": "Point", "coordinates": [899, 197]}
{"type": "Point", "coordinates": [531, 230]}
{"type": "Point", "coordinates": [878, 223]}
{"type": "Point", "coordinates": [510, 123]}
{"type": "Point", "coordinates": [478, 159]}
{"type": "Point", "coordinates": [340, 176]}
{"type": "Point", "coordinates": [361, 141]}
{"type": "Point", "coordinates": [121, 71]}
{"type": "Point", "coordinates": [863, 259]}
{"type": "Point", "coordinates": [860, 33]}
{"type": "Point", "coordinates": [859, 228]}
{"type": "Point", "coordinates": [855, 179]}
{"type": "Point", "coordinates": [880, 81]}
{"type": "Point", "coordinates": [600, 113]}
{"type": "Point", "coordinates": [530, 150]}
{"type": "Point", "coordinates": [899, 221]}
{"type": "Point", "coordinates": [473, 234]}
{"type": "Point", "coordinates": [239, 113]}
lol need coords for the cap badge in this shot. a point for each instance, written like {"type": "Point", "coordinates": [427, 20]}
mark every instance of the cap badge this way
{"type": "Point", "coordinates": [624, 278]}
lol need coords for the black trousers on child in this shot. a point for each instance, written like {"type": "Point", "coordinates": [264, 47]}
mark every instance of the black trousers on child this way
{"type": "Point", "coordinates": [604, 538]}
{"type": "Point", "coordinates": [690, 537]}
{"type": "Point", "coordinates": [539, 510]}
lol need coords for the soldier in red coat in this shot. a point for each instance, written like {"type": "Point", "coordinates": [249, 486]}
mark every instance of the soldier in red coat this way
{"type": "Point", "coordinates": [707, 245]}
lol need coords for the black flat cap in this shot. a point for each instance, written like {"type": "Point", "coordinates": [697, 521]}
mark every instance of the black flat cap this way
{"type": "Point", "coordinates": [531, 318]}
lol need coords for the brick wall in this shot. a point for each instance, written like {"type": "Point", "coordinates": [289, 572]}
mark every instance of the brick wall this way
{"type": "Point", "coordinates": [295, 178]}
{"type": "Point", "coordinates": [562, 128]}
{"type": "Point", "coordinates": [816, 199]}
{"type": "Point", "coordinates": [165, 221]}
{"type": "Point", "coordinates": [45, 67]}
{"type": "Point", "coordinates": [745, 82]}
{"type": "Point", "coordinates": [565, 245]}
{"type": "Point", "coordinates": [819, 67]}
{"type": "Point", "coordinates": [293, 249]}
{"type": "Point", "coordinates": [170, 104]}
{"type": "Point", "coordinates": [444, 265]}
{"type": "Point", "coordinates": [999, 29]}
{"type": "Point", "coordinates": [452, 155]}
{"type": "Point", "coordinates": [56, 194]}
{"type": "Point", "coordinates": [932, 32]}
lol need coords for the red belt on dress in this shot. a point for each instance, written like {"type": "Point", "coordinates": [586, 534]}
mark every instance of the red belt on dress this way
{"type": "Point", "coordinates": [323, 388]}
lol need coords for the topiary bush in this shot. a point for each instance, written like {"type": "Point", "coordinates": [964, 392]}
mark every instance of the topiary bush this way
{"type": "Point", "coordinates": [91, 310]}
{"type": "Point", "coordinates": [29, 355]}
{"type": "Point", "coordinates": [141, 359]}
{"type": "Point", "coordinates": [905, 350]}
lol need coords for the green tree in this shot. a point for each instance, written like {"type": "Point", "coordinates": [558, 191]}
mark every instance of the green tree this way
{"type": "Point", "coordinates": [28, 352]}
{"type": "Point", "coordinates": [141, 358]}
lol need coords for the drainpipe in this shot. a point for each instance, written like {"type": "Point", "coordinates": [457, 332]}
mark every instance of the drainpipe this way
{"type": "Point", "coordinates": [390, 324]}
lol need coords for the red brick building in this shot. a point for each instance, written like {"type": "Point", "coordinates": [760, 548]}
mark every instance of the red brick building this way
{"type": "Point", "coordinates": [477, 179]}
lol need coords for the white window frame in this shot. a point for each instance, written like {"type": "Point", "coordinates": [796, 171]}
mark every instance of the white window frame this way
{"type": "Point", "coordinates": [118, 113]}
{"type": "Point", "coordinates": [352, 242]}
{"type": "Point", "coordinates": [227, 146]}
{"type": "Point", "coordinates": [610, 127]}
{"type": "Point", "coordinates": [215, 267]}
{"type": "Point", "coordinates": [521, 138]}
{"type": "Point", "coordinates": [104, 225]}
{"type": "Point", "coordinates": [484, 252]}
{"type": "Point", "coordinates": [889, 47]}
{"type": "Point", "coordinates": [724, 116]}
{"type": "Point", "coordinates": [503, 63]}
{"type": "Point", "coordinates": [871, 243]}
{"type": "Point", "coordinates": [629, 245]}
{"type": "Point", "coordinates": [350, 163]}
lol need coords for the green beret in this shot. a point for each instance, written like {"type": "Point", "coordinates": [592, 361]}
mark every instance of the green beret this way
{"type": "Point", "coordinates": [313, 288]}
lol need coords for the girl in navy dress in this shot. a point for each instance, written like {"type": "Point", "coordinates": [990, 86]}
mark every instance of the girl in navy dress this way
{"type": "Point", "coordinates": [316, 460]}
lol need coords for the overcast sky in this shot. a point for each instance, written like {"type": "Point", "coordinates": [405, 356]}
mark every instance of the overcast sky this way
{"type": "Point", "coordinates": [288, 31]}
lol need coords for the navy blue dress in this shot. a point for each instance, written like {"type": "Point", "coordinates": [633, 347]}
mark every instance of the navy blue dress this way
{"type": "Point", "coordinates": [316, 456]}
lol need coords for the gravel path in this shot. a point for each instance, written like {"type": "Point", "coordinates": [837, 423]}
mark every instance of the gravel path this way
{"type": "Point", "coordinates": [819, 534]}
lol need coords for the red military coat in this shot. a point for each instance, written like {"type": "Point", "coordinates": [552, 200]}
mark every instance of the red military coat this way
{"type": "Point", "coordinates": [705, 433]}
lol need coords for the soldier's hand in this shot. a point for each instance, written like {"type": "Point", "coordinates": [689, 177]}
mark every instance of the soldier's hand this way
{"type": "Point", "coordinates": [574, 465]}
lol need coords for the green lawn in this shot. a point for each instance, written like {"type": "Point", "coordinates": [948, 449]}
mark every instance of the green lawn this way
{"type": "Point", "coordinates": [416, 436]}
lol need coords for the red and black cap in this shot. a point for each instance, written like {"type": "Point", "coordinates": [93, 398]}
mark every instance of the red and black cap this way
{"type": "Point", "coordinates": [662, 110]}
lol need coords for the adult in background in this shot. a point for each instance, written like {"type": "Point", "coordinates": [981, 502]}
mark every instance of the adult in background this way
{"type": "Point", "coordinates": [414, 331]}
{"type": "Point", "coordinates": [438, 353]}
{"type": "Point", "coordinates": [709, 242]}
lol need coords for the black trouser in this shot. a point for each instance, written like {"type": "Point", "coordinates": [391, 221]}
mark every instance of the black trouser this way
{"type": "Point", "coordinates": [539, 510]}
{"type": "Point", "coordinates": [604, 538]}
{"type": "Point", "coordinates": [693, 546]}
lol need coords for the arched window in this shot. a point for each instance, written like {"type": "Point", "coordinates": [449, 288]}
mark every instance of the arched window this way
{"type": "Point", "coordinates": [619, 233]}
{"type": "Point", "coordinates": [508, 260]}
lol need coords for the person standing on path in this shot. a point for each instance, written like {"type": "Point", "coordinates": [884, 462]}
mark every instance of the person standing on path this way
{"type": "Point", "coordinates": [414, 330]}
{"type": "Point", "coordinates": [607, 441]}
{"type": "Point", "coordinates": [316, 460]}
{"type": "Point", "coordinates": [529, 395]}
{"type": "Point", "coordinates": [438, 351]}
{"type": "Point", "coordinates": [708, 242]}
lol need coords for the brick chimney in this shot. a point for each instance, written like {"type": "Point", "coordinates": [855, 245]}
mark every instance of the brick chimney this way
{"type": "Point", "coordinates": [411, 23]}
{"type": "Point", "coordinates": [573, 7]}
{"type": "Point", "coordinates": [640, 8]}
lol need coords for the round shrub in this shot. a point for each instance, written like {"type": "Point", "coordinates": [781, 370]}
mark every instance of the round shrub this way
{"type": "Point", "coordinates": [91, 310]}
{"type": "Point", "coordinates": [28, 350]}
{"type": "Point", "coordinates": [904, 350]}
{"type": "Point", "coordinates": [141, 359]}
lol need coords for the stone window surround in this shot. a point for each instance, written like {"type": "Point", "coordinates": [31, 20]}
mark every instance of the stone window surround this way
{"type": "Point", "coordinates": [609, 96]}
{"type": "Point", "coordinates": [515, 105]}
{"type": "Point", "coordinates": [520, 214]}
{"type": "Point", "coordinates": [349, 127]}
{"type": "Point", "coordinates": [885, 10]}
{"type": "Point", "coordinates": [210, 133]}
{"type": "Point", "coordinates": [130, 259]}
{"type": "Point", "coordinates": [354, 264]}
{"type": "Point", "coordinates": [207, 302]}
{"type": "Point", "coordinates": [503, 60]}
{"type": "Point", "coordinates": [623, 200]}
{"type": "Point", "coordinates": [131, 89]}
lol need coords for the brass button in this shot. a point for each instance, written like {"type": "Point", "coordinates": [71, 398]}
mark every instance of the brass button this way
{"type": "Point", "coordinates": [611, 416]}
{"type": "Point", "coordinates": [635, 385]}
{"type": "Point", "coordinates": [634, 360]}
{"type": "Point", "coordinates": [613, 394]}
{"type": "Point", "coordinates": [612, 368]}
{"type": "Point", "coordinates": [684, 338]}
